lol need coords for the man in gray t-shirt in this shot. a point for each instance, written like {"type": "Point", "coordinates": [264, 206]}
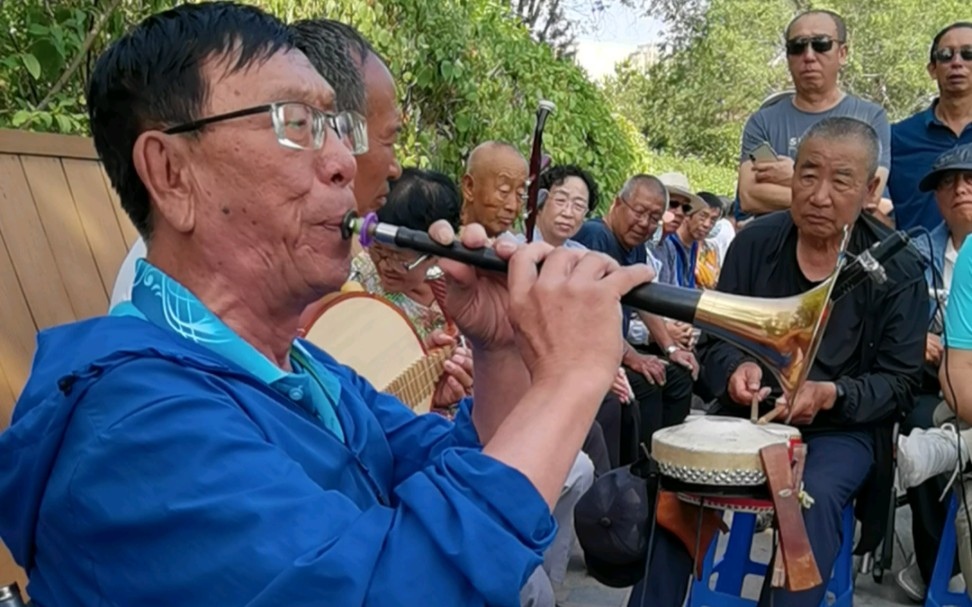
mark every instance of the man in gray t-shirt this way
{"type": "Point", "coordinates": [816, 50]}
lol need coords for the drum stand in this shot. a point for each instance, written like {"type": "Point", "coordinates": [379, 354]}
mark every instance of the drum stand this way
{"type": "Point", "coordinates": [792, 564]}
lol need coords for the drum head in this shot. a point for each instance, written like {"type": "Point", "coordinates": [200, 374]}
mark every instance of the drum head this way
{"type": "Point", "coordinates": [368, 334]}
{"type": "Point", "coordinates": [717, 450]}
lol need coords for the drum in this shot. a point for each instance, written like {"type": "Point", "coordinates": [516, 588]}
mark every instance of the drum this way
{"type": "Point", "coordinates": [716, 459]}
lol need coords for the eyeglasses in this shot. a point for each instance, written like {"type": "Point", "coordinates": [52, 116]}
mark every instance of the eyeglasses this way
{"type": "Point", "coordinates": [641, 215]}
{"type": "Point", "coordinates": [819, 44]}
{"type": "Point", "coordinates": [392, 256]}
{"type": "Point", "coordinates": [297, 125]}
{"type": "Point", "coordinates": [674, 204]}
{"type": "Point", "coordinates": [561, 202]}
{"type": "Point", "coordinates": [946, 54]}
{"type": "Point", "coordinates": [950, 178]}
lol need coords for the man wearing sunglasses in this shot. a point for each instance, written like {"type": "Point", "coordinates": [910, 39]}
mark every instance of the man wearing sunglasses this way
{"type": "Point", "coordinates": [816, 50]}
{"type": "Point", "coordinates": [187, 449]}
{"type": "Point", "coordinates": [918, 140]}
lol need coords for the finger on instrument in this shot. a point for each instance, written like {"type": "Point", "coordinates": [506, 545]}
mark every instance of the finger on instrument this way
{"type": "Point", "coordinates": [559, 264]}
{"type": "Point", "coordinates": [624, 279]}
{"type": "Point", "coordinates": [595, 265]}
{"type": "Point", "coordinates": [441, 232]}
{"type": "Point", "coordinates": [458, 373]}
{"type": "Point", "coordinates": [523, 271]}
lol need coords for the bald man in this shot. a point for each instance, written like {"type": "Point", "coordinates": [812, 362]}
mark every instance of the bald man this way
{"type": "Point", "coordinates": [494, 186]}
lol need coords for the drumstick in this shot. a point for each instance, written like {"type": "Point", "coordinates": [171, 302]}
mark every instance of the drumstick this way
{"type": "Point", "coordinates": [769, 416]}
{"type": "Point", "coordinates": [754, 408]}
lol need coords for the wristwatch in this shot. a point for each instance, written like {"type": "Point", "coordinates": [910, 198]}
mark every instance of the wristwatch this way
{"type": "Point", "coordinates": [672, 349]}
{"type": "Point", "coordinates": [841, 393]}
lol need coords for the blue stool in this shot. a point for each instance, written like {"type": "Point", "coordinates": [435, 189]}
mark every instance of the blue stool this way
{"type": "Point", "coordinates": [938, 594]}
{"type": "Point", "coordinates": [736, 564]}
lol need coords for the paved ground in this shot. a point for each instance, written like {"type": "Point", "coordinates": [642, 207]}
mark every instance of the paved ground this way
{"type": "Point", "coordinates": [579, 590]}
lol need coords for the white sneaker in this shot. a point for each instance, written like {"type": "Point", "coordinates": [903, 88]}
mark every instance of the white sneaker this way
{"type": "Point", "coordinates": [909, 580]}
{"type": "Point", "coordinates": [927, 453]}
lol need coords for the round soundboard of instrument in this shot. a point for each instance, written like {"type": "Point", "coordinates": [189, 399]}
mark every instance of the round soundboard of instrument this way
{"type": "Point", "coordinates": [717, 451]}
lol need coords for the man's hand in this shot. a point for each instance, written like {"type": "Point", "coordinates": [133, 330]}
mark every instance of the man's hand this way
{"type": "Point", "coordinates": [745, 383]}
{"type": "Point", "coordinates": [687, 360]}
{"type": "Point", "coordinates": [652, 367]}
{"type": "Point", "coordinates": [812, 398]}
{"type": "Point", "coordinates": [543, 305]}
{"type": "Point", "coordinates": [477, 300]}
{"type": "Point", "coordinates": [621, 388]}
{"type": "Point", "coordinates": [681, 332]}
{"type": "Point", "coordinates": [457, 381]}
{"type": "Point", "coordinates": [933, 349]}
{"type": "Point", "coordinates": [779, 172]}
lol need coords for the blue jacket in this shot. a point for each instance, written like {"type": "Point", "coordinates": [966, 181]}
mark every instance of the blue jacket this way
{"type": "Point", "coordinates": [142, 469]}
{"type": "Point", "coordinates": [933, 258]}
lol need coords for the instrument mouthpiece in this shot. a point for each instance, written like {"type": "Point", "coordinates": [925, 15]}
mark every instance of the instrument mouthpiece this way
{"type": "Point", "coordinates": [547, 106]}
{"type": "Point", "coordinates": [349, 225]}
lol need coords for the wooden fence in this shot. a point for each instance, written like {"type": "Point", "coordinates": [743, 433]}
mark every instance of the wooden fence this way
{"type": "Point", "coordinates": [63, 237]}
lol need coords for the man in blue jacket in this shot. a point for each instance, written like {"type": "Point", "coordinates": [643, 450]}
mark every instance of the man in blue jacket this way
{"type": "Point", "coordinates": [186, 449]}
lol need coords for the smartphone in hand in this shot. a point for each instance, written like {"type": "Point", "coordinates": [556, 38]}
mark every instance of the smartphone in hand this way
{"type": "Point", "coordinates": [763, 153]}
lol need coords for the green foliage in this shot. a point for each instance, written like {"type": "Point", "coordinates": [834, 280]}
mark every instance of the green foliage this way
{"type": "Point", "coordinates": [456, 94]}
{"type": "Point", "coordinates": [39, 41]}
{"type": "Point", "coordinates": [467, 72]}
{"type": "Point", "coordinates": [723, 57]}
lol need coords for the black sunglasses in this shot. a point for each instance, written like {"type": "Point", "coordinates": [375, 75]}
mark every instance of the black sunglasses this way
{"type": "Point", "coordinates": [674, 204]}
{"type": "Point", "coordinates": [945, 55]}
{"type": "Point", "coordinates": [819, 44]}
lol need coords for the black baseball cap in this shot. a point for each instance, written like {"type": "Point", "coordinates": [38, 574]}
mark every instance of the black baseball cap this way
{"type": "Point", "coordinates": [958, 158]}
{"type": "Point", "coordinates": [611, 521]}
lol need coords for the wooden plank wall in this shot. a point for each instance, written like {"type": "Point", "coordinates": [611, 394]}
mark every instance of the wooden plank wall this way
{"type": "Point", "coordinates": [63, 236]}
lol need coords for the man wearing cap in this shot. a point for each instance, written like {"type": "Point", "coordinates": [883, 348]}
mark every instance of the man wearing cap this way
{"type": "Point", "coordinates": [816, 50]}
{"type": "Point", "coordinates": [682, 202]}
{"type": "Point", "coordinates": [925, 454]}
{"type": "Point", "coordinates": [917, 141]}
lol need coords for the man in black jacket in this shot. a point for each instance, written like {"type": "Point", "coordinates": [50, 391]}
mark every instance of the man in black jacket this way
{"type": "Point", "coordinates": [869, 361]}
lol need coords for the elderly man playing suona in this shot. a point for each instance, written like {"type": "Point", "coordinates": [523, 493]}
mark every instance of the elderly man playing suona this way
{"type": "Point", "coordinates": [869, 360]}
{"type": "Point", "coordinates": [362, 84]}
{"type": "Point", "coordinates": [187, 449]}
{"type": "Point", "coordinates": [925, 454]}
{"type": "Point", "coordinates": [816, 50]}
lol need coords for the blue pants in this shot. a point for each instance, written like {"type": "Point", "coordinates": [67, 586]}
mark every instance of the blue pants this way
{"type": "Point", "coordinates": [837, 466]}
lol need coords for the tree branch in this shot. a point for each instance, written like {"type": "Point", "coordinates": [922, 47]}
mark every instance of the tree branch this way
{"type": "Point", "coordinates": [82, 52]}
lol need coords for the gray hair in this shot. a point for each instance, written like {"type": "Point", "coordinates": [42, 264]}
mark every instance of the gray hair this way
{"type": "Point", "coordinates": [337, 51]}
{"type": "Point", "coordinates": [643, 180]}
{"type": "Point", "coordinates": [843, 128]}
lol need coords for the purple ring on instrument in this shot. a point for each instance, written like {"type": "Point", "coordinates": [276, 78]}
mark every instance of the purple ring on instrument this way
{"type": "Point", "coordinates": [365, 237]}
